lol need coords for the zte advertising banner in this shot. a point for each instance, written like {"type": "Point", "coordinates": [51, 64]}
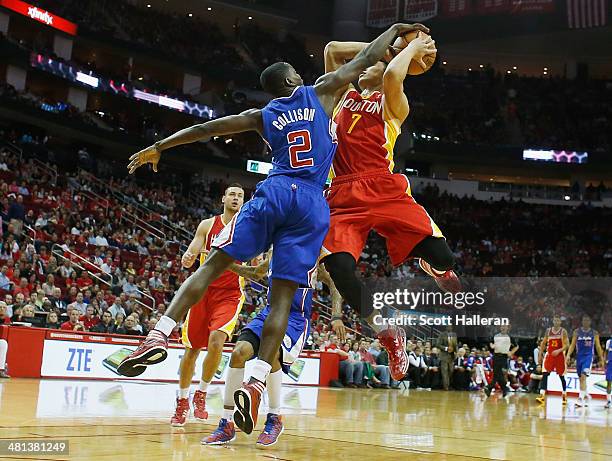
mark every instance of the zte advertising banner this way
{"type": "Point", "coordinates": [76, 359]}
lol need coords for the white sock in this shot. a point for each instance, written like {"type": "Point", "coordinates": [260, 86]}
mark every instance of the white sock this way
{"type": "Point", "coordinates": [203, 385]}
{"type": "Point", "coordinates": [3, 352]}
{"type": "Point", "coordinates": [274, 385]}
{"type": "Point", "coordinates": [610, 397]}
{"type": "Point", "coordinates": [183, 393]}
{"type": "Point", "coordinates": [542, 392]}
{"type": "Point", "coordinates": [233, 381]}
{"type": "Point", "coordinates": [261, 370]}
{"type": "Point", "coordinates": [165, 324]}
{"type": "Point", "coordinates": [582, 395]}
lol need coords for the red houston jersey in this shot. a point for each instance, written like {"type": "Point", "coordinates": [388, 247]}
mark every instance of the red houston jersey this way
{"type": "Point", "coordinates": [555, 340]}
{"type": "Point", "coordinates": [366, 134]}
{"type": "Point", "coordinates": [228, 279]}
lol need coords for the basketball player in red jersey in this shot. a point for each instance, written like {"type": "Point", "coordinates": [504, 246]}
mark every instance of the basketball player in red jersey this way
{"type": "Point", "coordinates": [365, 195]}
{"type": "Point", "coordinates": [555, 342]}
{"type": "Point", "coordinates": [211, 321]}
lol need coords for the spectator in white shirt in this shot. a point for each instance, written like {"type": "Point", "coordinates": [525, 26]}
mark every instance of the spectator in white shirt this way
{"type": "Point", "coordinates": [417, 367]}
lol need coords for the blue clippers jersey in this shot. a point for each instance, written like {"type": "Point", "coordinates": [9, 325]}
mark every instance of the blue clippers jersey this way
{"type": "Point", "coordinates": [301, 136]}
{"type": "Point", "coordinates": [609, 350]}
{"type": "Point", "coordinates": [585, 342]}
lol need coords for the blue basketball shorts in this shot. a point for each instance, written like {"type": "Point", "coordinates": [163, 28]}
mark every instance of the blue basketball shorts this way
{"type": "Point", "coordinates": [289, 213]}
{"type": "Point", "coordinates": [583, 364]}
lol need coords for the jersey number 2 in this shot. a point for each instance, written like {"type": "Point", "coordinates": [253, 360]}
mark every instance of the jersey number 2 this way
{"type": "Point", "coordinates": [299, 142]}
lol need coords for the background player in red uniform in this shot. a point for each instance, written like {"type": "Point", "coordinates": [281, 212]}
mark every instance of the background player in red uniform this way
{"type": "Point", "coordinates": [211, 321]}
{"type": "Point", "coordinates": [365, 195]}
{"type": "Point", "coordinates": [555, 343]}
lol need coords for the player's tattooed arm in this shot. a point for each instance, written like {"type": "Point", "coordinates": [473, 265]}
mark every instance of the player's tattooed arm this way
{"type": "Point", "coordinates": [336, 302]}
{"type": "Point", "coordinates": [197, 244]}
{"type": "Point", "coordinates": [249, 120]}
{"type": "Point", "coordinates": [257, 272]}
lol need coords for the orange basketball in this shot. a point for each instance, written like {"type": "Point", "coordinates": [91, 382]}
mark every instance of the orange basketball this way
{"type": "Point", "coordinates": [414, 68]}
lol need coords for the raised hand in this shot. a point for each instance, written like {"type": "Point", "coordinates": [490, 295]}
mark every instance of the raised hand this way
{"type": "Point", "coordinates": [150, 155]}
{"type": "Point", "coordinates": [421, 46]}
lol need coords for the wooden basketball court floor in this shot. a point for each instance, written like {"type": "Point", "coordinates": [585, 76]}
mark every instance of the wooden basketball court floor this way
{"type": "Point", "coordinates": [118, 420]}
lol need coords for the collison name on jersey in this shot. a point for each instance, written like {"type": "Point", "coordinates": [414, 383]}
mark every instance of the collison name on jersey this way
{"type": "Point", "coordinates": [294, 115]}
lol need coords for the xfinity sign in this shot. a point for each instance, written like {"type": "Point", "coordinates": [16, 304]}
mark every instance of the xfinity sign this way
{"type": "Point", "coordinates": [38, 14]}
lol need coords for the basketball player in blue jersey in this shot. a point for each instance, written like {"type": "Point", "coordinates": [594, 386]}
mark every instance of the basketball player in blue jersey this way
{"type": "Point", "coordinates": [584, 340]}
{"type": "Point", "coordinates": [287, 210]}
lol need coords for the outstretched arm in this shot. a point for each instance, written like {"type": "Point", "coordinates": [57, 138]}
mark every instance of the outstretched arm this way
{"type": "Point", "coordinates": [396, 102]}
{"type": "Point", "coordinates": [337, 54]}
{"type": "Point", "coordinates": [249, 120]}
{"type": "Point", "coordinates": [329, 87]}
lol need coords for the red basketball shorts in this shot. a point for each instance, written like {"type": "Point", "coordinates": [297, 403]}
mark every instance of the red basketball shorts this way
{"type": "Point", "coordinates": [378, 201]}
{"type": "Point", "coordinates": [217, 311]}
{"type": "Point", "coordinates": [554, 363]}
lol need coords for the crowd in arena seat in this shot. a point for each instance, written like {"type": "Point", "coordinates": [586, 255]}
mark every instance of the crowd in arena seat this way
{"type": "Point", "coordinates": [485, 108]}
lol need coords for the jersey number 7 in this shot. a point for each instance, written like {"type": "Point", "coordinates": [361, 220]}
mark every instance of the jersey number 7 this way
{"type": "Point", "coordinates": [299, 142]}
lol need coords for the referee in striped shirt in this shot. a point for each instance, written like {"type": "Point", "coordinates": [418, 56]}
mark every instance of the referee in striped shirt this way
{"type": "Point", "coordinates": [502, 349]}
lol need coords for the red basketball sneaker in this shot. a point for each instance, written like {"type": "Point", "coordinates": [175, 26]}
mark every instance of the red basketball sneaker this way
{"type": "Point", "coordinates": [394, 340]}
{"type": "Point", "coordinates": [199, 405]}
{"type": "Point", "coordinates": [272, 431]}
{"type": "Point", "coordinates": [247, 400]}
{"type": "Point", "coordinates": [225, 433]}
{"type": "Point", "coordinates": [180, 413]}
{"type": "Point", "coordinates": [447, 281]}
{"type": "Point", "coordinates": [151, 351]}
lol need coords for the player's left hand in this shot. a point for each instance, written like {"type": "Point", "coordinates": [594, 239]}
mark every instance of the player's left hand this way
{"type": "Point", "coordinates": [339, 329]}
{"type": "Point", "coordinates": [555, 353]}
{"type": "Point", "coordinates": [150, 155]}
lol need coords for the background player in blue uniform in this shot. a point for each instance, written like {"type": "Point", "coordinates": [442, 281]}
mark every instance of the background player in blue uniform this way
{"type": "Point", "coordinates": [609, 373]}
{"type": "Point", "coordinates": [287, 209]}
{"type": "Point", "coordinates": [584, 340]}
{"type": "Point", "coordinates": [247, 346]}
